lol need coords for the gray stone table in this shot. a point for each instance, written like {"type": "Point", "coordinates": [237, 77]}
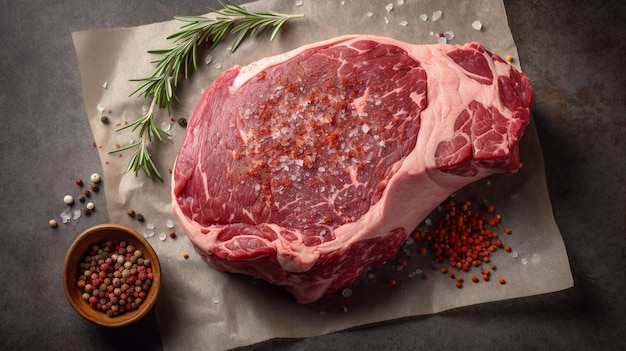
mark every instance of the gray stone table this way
{"type": "Point", "coordinates": [572, 50]}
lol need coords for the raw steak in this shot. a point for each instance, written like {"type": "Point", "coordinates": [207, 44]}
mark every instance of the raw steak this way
{"type": "Point", "coordinates": [307, 168]}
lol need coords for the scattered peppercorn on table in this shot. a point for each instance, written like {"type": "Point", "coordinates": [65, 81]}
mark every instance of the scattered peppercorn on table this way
{"type": "Point", "coordinates": [48, 146]}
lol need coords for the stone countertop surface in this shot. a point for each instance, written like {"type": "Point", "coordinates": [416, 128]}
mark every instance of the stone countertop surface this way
{"type": "Point", "coordinates": [572, 50]}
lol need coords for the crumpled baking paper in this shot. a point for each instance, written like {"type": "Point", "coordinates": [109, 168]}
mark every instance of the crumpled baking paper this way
{"type": "Point", "coordinates": [202, 308]}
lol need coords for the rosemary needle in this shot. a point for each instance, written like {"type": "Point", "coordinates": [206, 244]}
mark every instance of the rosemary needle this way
{"type": "Point", "coordinates": [176, 61]}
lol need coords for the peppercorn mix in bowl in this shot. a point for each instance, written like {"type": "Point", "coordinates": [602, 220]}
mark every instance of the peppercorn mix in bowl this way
{"type": "Point", "coordinates": [111, 275]}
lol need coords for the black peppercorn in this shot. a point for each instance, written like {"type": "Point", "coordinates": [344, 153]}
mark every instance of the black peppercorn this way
{"type": "Point", "coordinates": [182, 122]}
{"type": "Point", "coordinates": [104, 120]}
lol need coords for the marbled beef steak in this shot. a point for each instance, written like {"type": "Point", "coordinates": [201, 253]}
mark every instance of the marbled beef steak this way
{"type": "Point", "coordinates": [307, 168]}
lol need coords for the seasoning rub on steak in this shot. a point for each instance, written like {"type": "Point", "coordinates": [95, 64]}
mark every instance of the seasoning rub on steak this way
{"type": "Point", "coordinates": [307, 168]}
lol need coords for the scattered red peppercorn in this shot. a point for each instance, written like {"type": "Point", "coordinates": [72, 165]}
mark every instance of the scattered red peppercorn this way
{"type": "Point", "coordinates": [463, 235]}
{"type": "Point", "coordinates": [185, 255]}
{"type": "Point", "coordinates": [172, 234]}
{"type": "Point", "coordinates": [78, 181]}
{"type": "Point", "coordinates": [501, 281]}
{"type": "Point", "coordinates": [393, 282]}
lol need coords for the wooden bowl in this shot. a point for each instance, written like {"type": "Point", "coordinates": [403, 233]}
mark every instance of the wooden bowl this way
{"type": "Point", "coordinates": [80, 248]}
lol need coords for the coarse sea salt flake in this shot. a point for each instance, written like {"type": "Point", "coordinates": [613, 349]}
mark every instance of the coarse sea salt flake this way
{"type": "Point", "coordinates": [449, 35]}
{"type": "Point", "coordinates": [208, 59]}
{"type": "Point", "coordinates": [165, 126]}
{"type": "Point", "coordinates": [100, 108]}
{"type": "Point", "coordinates": [400, 2]}
{"type": "Point", "coordinates": [389, 7]}
{"type": "Point", "coordinates": [403, 23]}
{"type": "Point", "coordinates": [65, 216]}
{"type": "Point", "coordinates": [105, 84]}
{"type": "Point", "coordinates": [369, 14]}
{"type": "Point", "coordinates": [437, 15]}
{"type": "Point", "coordinates": [424, 17]}
{"type": "Point", "coordinates": [298, 3]}
{"type": "Point", "coordinates": [477, 25]}
{"type": "Point", "coordinates": [169, 224]}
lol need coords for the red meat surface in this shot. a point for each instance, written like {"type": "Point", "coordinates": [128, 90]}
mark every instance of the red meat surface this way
{"type": "Point", "coordinates": [307, 168]}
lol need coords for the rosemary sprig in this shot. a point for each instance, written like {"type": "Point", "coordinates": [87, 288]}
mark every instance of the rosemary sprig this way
{"type": "Point", "coordinates": [176, 61]}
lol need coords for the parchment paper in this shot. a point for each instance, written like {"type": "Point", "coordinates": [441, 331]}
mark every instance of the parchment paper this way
{"type": "Point", "coordinates": [202, 308]}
